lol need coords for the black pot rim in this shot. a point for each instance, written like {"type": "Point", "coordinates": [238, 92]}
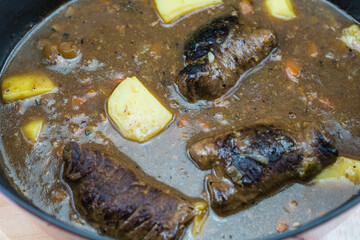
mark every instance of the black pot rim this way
{"type": "Point", "coordinates": [56, 222]}
{"type": "Point", "coordinates": [12, 195]}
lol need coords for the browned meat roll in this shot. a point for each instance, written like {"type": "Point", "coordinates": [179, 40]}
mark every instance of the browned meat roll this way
{"type": "Point", "coordinates": [254, 161]}
{"type": "Point", "coordinates": [119, 199]}
{"type": "Point", "coordinates": [218, 53]}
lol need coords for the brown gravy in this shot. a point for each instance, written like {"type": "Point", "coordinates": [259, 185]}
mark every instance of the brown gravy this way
{"type": "Point", "coordinates": [126, 38]}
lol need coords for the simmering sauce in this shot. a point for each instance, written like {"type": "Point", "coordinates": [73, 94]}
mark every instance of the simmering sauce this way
{"type": "Point", "coordinates": [119, 39]}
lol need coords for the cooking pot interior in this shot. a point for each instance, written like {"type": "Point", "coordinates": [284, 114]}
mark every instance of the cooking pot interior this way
{"type": "Point", "coordinates": [352, 7]}
{"type": "Point", "coordinates": [18, 16]}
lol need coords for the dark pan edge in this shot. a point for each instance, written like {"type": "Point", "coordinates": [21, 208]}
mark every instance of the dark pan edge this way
{"type": "Point", "coordinates": [352, 7]}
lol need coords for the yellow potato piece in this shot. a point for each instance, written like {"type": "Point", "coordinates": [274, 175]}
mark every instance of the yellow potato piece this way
{"type": "Point", "coordinates": [351, 37]}
{"type": "Point", "coordinates": [136, 112]}
{"type": "Point", "coordinates": [201, 212]}
{"type": "Point", "coordinates": [282, 9]}
{"type": "Point", "coordinates": [26, 85]}
{"type": "Point", "coordinates": [171, 9]}
{"type": "Point", "coordinates": [343, 167]}
{"type": "Point", "coordinates": [32, 130]}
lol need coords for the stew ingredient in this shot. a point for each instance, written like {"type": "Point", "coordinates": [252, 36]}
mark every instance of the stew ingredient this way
{"type": "Point", "coordinates": [88, 47]}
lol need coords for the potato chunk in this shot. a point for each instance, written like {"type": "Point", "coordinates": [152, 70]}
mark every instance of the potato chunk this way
{"type": "Point", "coordinates": [136, 112]}
{"type": "Point", "coordinates": [201, 210]}
{"type": "Point", "coordinates": [32, 130]}
{"type": "Point", "coordinates": [169, 10]}
{"type": "Point", "coordinates": [26, 85]}
{"type": "Point", "coordinates": [282, 9]}
{"type": "Point", "coordinates": [351, 37]}
{"type": "Point", "coordinates": [343, 167]}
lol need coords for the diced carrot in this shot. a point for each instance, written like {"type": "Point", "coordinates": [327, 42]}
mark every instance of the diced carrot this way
{"type": "Point", "coordinates": [218, 101]}
{"type": "Point", "coordinates": [205, 126]}
{"type": "Point", "coordinates": [327, 102]}
{"type": "Point", "coordinates": [77, 101]}
{"type": "Point", "coordinates": [76, 131]}
{"type": "Point", "coordinates": [221, 102]}
{"type": "Point", "coordinates": [292, 68]}
{"type": "Point", "coordinates": [184, 121]}
{"type": "Point", "coordinates": [58, 195]}
{"type": "Point", "coordinates": [91, 93]}
{"type": "Point", "coordinates": [74, 128]}
{"type": "Point", "coordinates": [246, 7]}
{"type": "Point", "coordinates": [117, 81]}
{"type": "Point", "coordinates": [281, 227]}
{"type": "Point", "coordinates": [313, 51]}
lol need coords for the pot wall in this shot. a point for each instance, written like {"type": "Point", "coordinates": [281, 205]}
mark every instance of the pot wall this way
{"type": "Point", "coordinates": [17, 17]}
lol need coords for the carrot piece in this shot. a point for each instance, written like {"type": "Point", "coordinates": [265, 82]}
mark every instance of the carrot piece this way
{"type": "Point", "coordinates": [327, 102]}
{"type": "Point", "coordinates": [281, 226]}
{"type": "Point", "coordinates": [58, 195]}
{"type": "Point", "coordinates": [221, 102]}
{"type": "Point", "coordinates": [292, 68]}
{"type": "Point", "coordinates": [313, 51]}
{"type": "Point", "coordinates": [218, 101]}
{"type": "Point", "coordinates": [74, 128]}
{"type": "Point", "coordinates": [91, 93]}
{"type": "Point", "coordinates": [77, 101]}
{"type": "Point", "coordinates": [117, 81]}
{"type": "Point", "coordinates": [184, 121]}
{"type": "Point", "coordinates": [246, 7]}
{"type": "Point", "coordinates": [205, 126]}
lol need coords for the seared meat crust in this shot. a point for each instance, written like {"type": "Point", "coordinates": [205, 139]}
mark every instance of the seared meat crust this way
{"type": "Point", "coordinates": [119, 199]}
{"type": "Point", "coordinates": [218, 53]}
{"type": "Point", "coordinates": [259, 159]}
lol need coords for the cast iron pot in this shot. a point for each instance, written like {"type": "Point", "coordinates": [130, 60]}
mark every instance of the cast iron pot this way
{"type": "Point", "coordinates": [16, 18]}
